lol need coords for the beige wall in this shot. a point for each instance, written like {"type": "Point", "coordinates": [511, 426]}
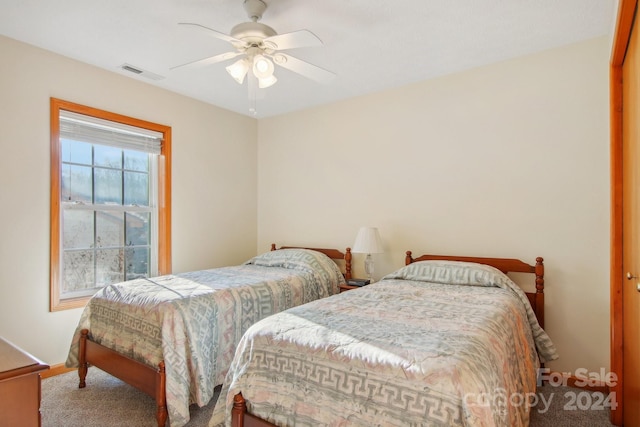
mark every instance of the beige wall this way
{"type": "Point", "coordinates": [214, 182]}
{"type": "Point", "coordinates": [506, 160]}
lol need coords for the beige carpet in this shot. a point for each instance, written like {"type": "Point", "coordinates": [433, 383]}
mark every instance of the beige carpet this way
{"type": "Point", "coordinates": [107, 401]}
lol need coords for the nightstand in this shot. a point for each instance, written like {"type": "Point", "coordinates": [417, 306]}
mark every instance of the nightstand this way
{"type": "Point", "coordinates": [348, 287]}
{"type": "Point", "coordinates": [344, 288]}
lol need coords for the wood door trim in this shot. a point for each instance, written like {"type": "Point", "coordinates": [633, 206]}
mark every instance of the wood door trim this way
{"type": "Point", "coordinates": [624, 24]}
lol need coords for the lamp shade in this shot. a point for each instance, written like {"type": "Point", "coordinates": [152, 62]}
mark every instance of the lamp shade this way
{"type": "Point", "coordinates": [238, 70]}
{"type": "Point", "coordinates": [367, 241]}
{"type": "Point", "coordinates": [267, 81]}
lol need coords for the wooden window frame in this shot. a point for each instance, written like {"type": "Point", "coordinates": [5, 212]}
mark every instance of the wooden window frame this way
{"type": "Point", "coordinates": [164, 196]}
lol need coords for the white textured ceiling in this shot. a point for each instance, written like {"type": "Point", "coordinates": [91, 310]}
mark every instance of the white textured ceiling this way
{"type": "Point", "coordinates": [371, 45]}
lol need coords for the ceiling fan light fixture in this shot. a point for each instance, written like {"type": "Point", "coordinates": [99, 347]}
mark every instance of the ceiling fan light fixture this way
{"type": "Point", "coordinates": [258, 45]}
{"type": "Point", "coordinates": [266, 82]}
{"type": "Point", "coordinates": [238, 70]}
{"type": "Point", "coordinates": [262, 67]}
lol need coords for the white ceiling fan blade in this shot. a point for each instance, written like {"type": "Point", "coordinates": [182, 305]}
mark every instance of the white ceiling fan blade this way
{"type": "Point", "coordinates": [303, 68]}
{"type": "Point", "coordinates": [210, 60]}
{"type": "Point", "coordinates": [211, 32]}
{"type": "Point", "coordinates": [292, 40]}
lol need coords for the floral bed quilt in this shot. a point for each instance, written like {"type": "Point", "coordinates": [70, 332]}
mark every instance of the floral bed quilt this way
{"type": "Point", "coordinates": [194, 321]}
{"type": "Point", "coordinates": [436, 343]}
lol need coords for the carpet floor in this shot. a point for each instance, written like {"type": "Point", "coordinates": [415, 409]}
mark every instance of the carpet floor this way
{"type": "Point", "coordinates": [107, 401]}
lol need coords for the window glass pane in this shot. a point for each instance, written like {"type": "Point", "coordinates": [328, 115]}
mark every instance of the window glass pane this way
{"type": "Point", "coordinates": [109, 266]}
{"type": "Point", "coordinates": [136, 161]}
{"type": "Point", "coordinates": [108, 187]}
{"type": "Point", "coordinates": [137, 262]}
{"type": "Point", "coordinates": [110, 157]}
{"type": "Point", "coordinates": [76, 184]}
{"type": "Point", "coordinates": [109, 229]}
{"type": "Point", "coordinates": [137, 228]}
{"type": "Point", "coordinates": [75, 151]}
{"type": "Point", "coordinates": [108, 183]}
{"type": "Point", "coordinates": [77, 229]}
{"type": "Point", "coordinates": [136, 188]}
{"type": "Point", "coordinates": [78, 270]}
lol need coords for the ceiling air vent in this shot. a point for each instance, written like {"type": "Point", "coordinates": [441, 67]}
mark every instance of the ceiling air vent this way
{"type": "Point", "coordinates": [130, 68]}
{"type": "Point", "coordinates": [139, 71]}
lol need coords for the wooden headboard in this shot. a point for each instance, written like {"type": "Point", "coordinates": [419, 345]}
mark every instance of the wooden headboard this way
{"type": "Point", "coordinates": [331, 253]}
{"type": "Point", "coordinates": [506, 265]}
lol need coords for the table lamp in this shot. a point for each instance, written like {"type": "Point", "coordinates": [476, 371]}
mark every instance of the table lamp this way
{"type": "Point", "coordinates": [368, 242]}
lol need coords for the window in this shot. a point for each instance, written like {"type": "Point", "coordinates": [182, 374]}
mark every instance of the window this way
{"type": "Point", "coordinates": [110, 201]}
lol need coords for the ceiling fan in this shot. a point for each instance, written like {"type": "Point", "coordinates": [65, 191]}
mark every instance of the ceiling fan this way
{"type": "Point", "coordinates": [260, 48]}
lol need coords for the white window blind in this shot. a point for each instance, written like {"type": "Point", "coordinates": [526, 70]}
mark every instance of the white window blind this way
{"type": "Point", "coordinates": [79, 127]}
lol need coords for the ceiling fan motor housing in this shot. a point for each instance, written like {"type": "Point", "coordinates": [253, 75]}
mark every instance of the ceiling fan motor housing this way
{"type": "Point", "coordinates": [252, 32]}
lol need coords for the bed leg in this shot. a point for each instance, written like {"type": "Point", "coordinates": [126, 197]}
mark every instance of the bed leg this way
{"type": "Point", "coordinates": [161, 396]}
{"type": "Point", "coordinates": [83, 366]}
{"type": "Point", "coordinates": [238, 411]}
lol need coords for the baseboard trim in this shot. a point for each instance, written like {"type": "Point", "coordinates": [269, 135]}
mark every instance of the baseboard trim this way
{"type": "Point", "coordinates": [582, 383]}
{"type": "Point", "coordinates": [56, 370]}
{"type": "Point", "coordinates": [600, 386]}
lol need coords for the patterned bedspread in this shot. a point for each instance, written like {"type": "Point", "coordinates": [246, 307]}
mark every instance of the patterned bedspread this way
{"type": "Point", "coordinates": [436, 343]}
{"type": "Point", "coordinates": [194, 321]}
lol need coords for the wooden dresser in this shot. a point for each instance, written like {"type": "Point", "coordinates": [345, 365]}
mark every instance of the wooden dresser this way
{"type": "Point", "coordinates": [19, 387]}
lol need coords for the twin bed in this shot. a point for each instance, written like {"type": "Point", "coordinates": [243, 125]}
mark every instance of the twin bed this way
{"type": "Point", "coordinates": [174, 336]}
{"type": "Point", "coordinates": [442, 341]}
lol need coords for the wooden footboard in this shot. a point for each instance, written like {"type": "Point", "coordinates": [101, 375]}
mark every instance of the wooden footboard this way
{"type": "Point", "coordinates": [149, 380]}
